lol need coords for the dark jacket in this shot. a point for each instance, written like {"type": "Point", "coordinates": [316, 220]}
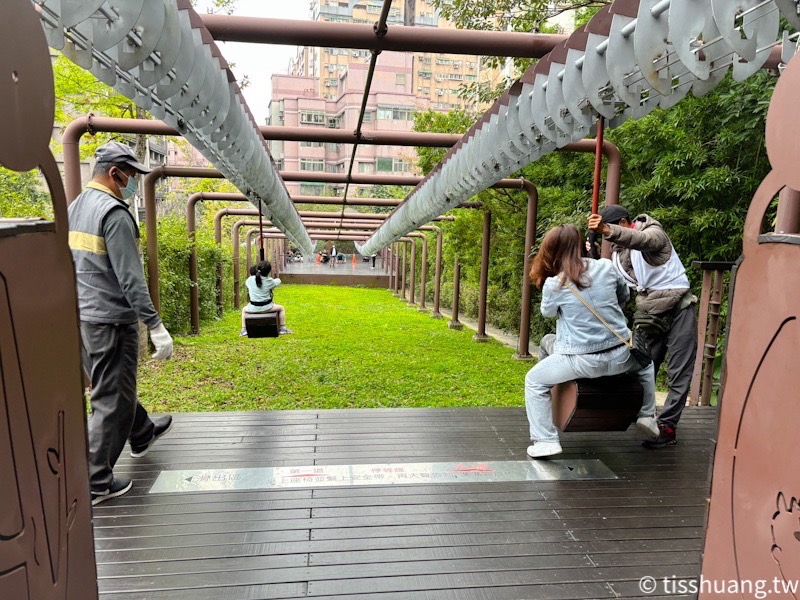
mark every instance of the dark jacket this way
{"type": "Point", "coordinates": [649, 237]}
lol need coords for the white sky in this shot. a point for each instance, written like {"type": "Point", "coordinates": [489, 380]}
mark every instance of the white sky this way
{"type": "Point", "coordinates": [260, 61]}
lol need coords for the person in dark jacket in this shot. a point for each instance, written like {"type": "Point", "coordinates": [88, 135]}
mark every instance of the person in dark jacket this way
{"type": "Point", "coordinates": [643, 254]}
{"type": "Point", "coordinates": [112, 299]}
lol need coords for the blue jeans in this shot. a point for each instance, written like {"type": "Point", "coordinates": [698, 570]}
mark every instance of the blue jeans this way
{"type": "Point", "coordinates": [558, 368]}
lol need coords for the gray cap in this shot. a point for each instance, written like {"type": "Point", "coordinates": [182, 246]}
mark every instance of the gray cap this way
{"type": "Point", "coordinates": [613, 213]}
{"type": "Point", "coordinates": [120, 154]}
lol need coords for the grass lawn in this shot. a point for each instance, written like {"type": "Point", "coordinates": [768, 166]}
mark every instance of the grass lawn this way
{"type": "Point", "coordinates": [352, 348]}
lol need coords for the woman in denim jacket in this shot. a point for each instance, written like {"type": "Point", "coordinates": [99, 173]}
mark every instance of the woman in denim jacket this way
{"type": "Point", "coordinates": [582, 348]}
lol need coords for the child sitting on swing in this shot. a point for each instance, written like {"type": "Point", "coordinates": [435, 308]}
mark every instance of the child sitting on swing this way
{"type": "Point", "coordinates": [259, 288]}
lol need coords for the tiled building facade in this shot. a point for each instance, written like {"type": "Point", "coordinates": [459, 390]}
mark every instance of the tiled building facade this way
{"type": "Point", "coordinates": [325, 86]}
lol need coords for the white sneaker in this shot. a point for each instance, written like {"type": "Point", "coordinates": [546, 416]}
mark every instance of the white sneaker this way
{"type": "Point", "coordinates": [648, 427]}
{"type": "Point", "coordinates": [544, 449]}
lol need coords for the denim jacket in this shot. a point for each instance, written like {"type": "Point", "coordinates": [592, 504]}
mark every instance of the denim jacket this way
{"type": "Point", "coordinates": [578, 331]}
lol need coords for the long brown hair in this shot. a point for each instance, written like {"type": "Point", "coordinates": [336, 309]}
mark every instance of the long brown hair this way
{"type": "Point", "coordinates": [561, 251]}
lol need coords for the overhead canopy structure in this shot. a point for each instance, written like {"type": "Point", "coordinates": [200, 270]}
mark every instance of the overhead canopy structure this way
{"type": "Point", "coordinates": [632, 57]}
{"type": "Point", "coordinates": [160, 55]}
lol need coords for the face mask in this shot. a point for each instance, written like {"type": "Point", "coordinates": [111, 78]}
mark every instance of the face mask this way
{"type": "Point", "coordinates": [129, 190]}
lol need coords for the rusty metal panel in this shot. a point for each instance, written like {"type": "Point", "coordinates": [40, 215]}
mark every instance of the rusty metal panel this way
{"type": "Point", "coordinates": [753, 516]}
{"type": "Point", "coordinates": [46, 546]}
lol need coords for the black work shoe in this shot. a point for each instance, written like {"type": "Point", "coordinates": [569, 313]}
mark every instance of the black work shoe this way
{"type": "Point", "coordinates": [666, 437]}
{"type": "Point", "coordinates": [118, 487]}
{"type": "Point", "coordinates": [160, 426]}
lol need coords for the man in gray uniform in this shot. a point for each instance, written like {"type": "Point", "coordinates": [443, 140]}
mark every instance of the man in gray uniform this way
{"type": "Point", "coordinates": [644, 256]}
{"type": "Point", "coordinates": [112, 298]}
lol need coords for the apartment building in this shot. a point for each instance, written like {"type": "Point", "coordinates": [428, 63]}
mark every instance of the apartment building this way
{"type": "Point", "coordinates": [324, 88]}
{"type": "Point", "coordinates": [391, 106]}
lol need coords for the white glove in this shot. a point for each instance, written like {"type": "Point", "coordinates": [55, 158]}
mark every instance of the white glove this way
{"type": "Point", "coordinates": [162, 340]}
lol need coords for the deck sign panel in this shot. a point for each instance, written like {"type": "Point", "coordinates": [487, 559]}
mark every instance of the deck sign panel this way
{"type": "Point", "coordinates": [210, 480]}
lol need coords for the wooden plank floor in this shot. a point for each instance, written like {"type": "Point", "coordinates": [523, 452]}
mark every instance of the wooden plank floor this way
{"type": "Point", "coordinates": [464, 541]}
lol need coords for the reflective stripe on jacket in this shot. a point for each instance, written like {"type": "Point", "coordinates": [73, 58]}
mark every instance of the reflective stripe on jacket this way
{"type": "Point", "coordinates": [104, 239]}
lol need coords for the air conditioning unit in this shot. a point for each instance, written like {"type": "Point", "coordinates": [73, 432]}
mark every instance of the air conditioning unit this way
{"type": "Point", "coordinates": [332, 123]}
{"type": "Point", "coordinates": [440, 92]}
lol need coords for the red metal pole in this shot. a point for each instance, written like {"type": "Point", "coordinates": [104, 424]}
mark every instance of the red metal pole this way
{"type": "Point", "coordinates": [397, 38]}
{"type": "Point", "coordinates": [424, 272]}
{"type": "Point", "coordinates": [437, 278]}
{"type": "Point", "coordinates": [523, 349]}
{"type": "Point", "coordinates": [481, 336]}
{"type": "Point", "coordinates": [403, 273]}
{"type": "Point", "coordinates": [454, 322]}
{"type": "Point", "coordinates": [412, 291]}
{"type": "Point", "coordinates": [598, 166]}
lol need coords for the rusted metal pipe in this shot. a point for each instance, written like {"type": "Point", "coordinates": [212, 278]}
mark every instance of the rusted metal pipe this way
{"type": "Point", "coordinates": [151, 226]}
{"type": "Point", "coordinates": [598, 165]}
{"type": "Point", "coordinates": [412, 291]}
{"type": "Point", "coordinates": [390, 267]}
{"type": "Point", "coordinates": [191, 228]}
{"type": "Point", "coordinates": [397, 38]}
{"type": "Point", "coordinates": [437, 278]}
{"type": "Point", "coordinates": [523, 348]}
{"type": "Point", "coordinates": [403, 274]}
{"type": "Point", "coordinates": [481, 336]}
{"type": "Point", "coordinates": [788, 218]}
{"type": "Point", "coordinates": [424, 271]}
{"type": "Point", "coordinates": [454, 322]}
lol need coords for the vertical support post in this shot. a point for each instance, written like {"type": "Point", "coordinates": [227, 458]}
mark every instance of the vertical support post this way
{"type": "Point", "coordinates": [194, 295]}
{"type": "Point", "coordinates": [423, 273]}
{"type": "Point", "coordinates": [481, 336]}
{"type": "Point", "coordinates": [403, 272]}
{"type": "Point", "coordinates": [151, 226]}
{"type": "Point", "coordinates": [437, 278]}
{"type": "Point", "coordinates": [710, 350]}
{"type": "Point", "coordinates": [788, 217]}
{"type": "Point", "coordinates": [235, 243]}
{"type": "Point", "coordinates": [412, 283]}
{"type": "Point", "coordinates": [702, 322]}
{"type": "Point", "coordinates": [523, 348]}
{"type": "Point", "coordinates": [218, 240]}
{"type": "Point", "coordinates": [454, 322]}
{"type": "Point", "coordinates": [390, 266]}
{"type": "Point", "coordinates": [248, 250]}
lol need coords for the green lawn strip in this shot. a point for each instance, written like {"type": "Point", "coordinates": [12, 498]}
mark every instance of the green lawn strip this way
{"type": "Point", "coordinates": [352, 348]}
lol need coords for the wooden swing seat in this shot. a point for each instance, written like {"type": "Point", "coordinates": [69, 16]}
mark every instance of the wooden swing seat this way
{"type": "Point", "coordinates": [601, 404]}
{"type": "Point", "coordinates": [261, 325]}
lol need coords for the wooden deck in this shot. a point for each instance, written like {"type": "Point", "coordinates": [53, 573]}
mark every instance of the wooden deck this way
{"type": "Point", "coordinates": [462, 541]}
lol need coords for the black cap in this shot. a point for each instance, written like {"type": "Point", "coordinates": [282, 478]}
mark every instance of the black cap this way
{"type": "Point", "coordinates": [119, 154]}
{"type": "Point", "coordinates": [614, 213]}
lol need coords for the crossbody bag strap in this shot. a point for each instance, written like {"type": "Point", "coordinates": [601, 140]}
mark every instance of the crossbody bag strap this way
{"type": "Point", "coordinates": [628, 343]}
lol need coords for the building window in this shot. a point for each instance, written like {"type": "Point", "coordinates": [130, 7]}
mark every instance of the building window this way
{"type": "Point", "coordinates": [400, 79]}
{"type": "Point", "coordinates": [442, 61]}
{"type": "Point", "coordinates": [331, 147]}
{"type": "Point", "coordinates": [312, 118]}
{"type": "Point", "coordinates": [425, 74]}
{"type": "Point", "coordinates": [311, 189]}
{"type": "Point", "coordinates": [307, 164]}
{"type": "Point", "coordinates": [365, 167]}
{"type": "Point", "coordinates": [310, 144]}
{"type": "Point", "coordinates": [396, 113]}
{"type": "Point", "coordinates": [369, 116]}
{"type": "Point", "coordinates": [392, 165]}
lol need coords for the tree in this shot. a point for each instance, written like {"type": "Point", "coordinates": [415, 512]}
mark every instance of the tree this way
{"type": "Point", "coordinates": [21, 195]}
